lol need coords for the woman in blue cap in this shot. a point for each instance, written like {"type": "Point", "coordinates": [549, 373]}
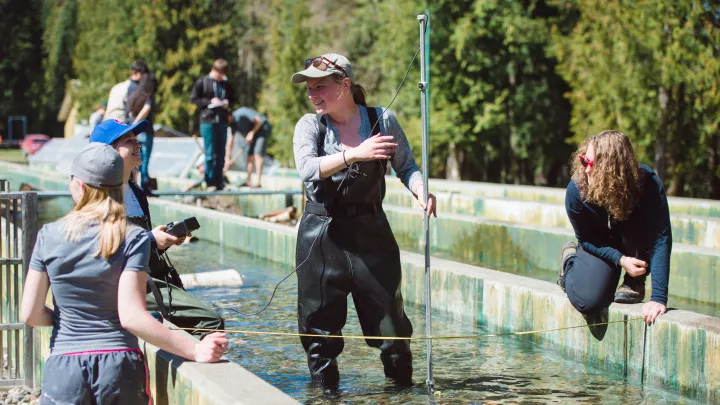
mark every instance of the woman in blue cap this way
{"type": "Point", "coordinates": [345, 244]}
{"type": "Point", "coordinates": [96, 264]}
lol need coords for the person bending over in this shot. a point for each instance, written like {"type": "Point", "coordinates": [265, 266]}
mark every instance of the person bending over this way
{"type": "Point", "coordinates": [96, 265]}
{"type": "Point", "coordinates": [620, 215]}
{"type": "Point", "coordinates": [345, 244]}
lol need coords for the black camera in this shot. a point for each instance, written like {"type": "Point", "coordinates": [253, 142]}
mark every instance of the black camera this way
{"type": "Point", "coordinates": [182, 228]}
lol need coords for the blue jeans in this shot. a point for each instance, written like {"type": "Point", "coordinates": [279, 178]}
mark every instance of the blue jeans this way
{"type": "Point", "coordinates": [215, 135]}
{"type": "Point", "coordinates": [146, 145]}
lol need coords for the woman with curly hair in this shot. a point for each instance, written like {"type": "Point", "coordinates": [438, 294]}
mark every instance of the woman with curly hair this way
{"type": "Point", "coordinates": [620, 215]}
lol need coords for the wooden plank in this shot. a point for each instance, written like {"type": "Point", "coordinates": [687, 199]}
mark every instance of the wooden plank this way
{"type": "Point", "coordinates": [11, 383]}
{"type": "Point", "coordinates": [12, 326]}
{"type": "Point", "coordinates": [4, 261]}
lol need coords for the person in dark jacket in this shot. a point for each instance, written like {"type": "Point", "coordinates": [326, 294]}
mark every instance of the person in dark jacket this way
{"type": "Point", "coordinates": [166, 294]}
{"type": "Point", "coordinates": [620, 215]}
{"type": "Point", "coordinates": [344, 243]}
{"type": "Point", "coordinates": [214, 97]}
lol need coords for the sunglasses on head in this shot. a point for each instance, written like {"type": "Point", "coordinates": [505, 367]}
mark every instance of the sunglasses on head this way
{"type": "Point", "coordinates": [585, 162]}
{"type": "Point", "coordinates": [322, 63]}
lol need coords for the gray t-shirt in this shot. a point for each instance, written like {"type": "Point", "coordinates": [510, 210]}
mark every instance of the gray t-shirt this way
{"type": "Point", "coordinates": [85, 288]}
{"type": "Point", "coordinates": [307, 156]}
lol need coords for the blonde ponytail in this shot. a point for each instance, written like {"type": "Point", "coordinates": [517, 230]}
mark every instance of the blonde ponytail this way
{"type": "Point", "coordinates": [103, 205]}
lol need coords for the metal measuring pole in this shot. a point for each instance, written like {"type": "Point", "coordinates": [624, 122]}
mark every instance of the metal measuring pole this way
{"type": "Point", "coordinates": [423, 85]}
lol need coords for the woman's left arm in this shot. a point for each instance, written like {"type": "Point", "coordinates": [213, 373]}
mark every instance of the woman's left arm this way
{"type": "Point", "coordinates": [34, 312]}
{"type": "Point", "coordinates": [403, 162]}
{"type": "Point", "coordinates": [658, 223]}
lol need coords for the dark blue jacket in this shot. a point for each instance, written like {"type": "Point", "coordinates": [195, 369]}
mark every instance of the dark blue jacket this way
{"type": "Point", "coordinates": [645, 235]}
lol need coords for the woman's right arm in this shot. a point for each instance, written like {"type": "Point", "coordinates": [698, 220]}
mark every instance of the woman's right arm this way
{"type": "Point", "coordinates": [313, 167]}
{"type": "Point", "coordinates": [37, 283]}
{"type": "Point", "coordinates": [310, 165]}
{"type": "Point", "coordinates": [34, 311]}
{"type": "Point", "coordinates": [593, 239]}
{"type": "Point", "coordinates": [135, 318]}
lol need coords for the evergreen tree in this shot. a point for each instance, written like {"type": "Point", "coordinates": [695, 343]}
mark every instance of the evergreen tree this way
{"type": "Point", "coordinates": [21, 62]}
{"type": "Point", "coordinates": [285, 102]}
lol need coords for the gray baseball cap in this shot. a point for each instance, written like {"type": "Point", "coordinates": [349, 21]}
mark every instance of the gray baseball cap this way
{"type": "Point", "coordinates": [98, 165]}
{"type": "Point", "coordinates": [325, 68]}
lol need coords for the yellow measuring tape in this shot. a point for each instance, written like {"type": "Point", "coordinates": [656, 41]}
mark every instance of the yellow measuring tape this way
{"type": "Point", "coordinates": [291, 334]}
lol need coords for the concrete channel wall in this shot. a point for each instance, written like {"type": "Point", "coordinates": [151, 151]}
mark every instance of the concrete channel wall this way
{"type": "Point", "coordinates": [681, 351]}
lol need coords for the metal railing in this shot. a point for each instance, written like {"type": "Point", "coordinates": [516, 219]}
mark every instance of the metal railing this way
{"type": "Point", "coordinates": [18, 230]}
{"type": "Point", "coordinates": [289, 194]}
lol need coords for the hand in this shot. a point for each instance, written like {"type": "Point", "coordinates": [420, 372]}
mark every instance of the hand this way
{"type": "Point", "coordinates": [431, 207]}
{"type": "Point", "coordinates": [249, 137]}
{"type": "Point", "coordinates": [181, 239]}
{"type": "Point", "coordinates": [215, 100]}
{"type": "Point", "coordinates": [163, 239]}
{"type": "Point", "coordinates": [652, 310]}
{"type": "Point", "coordinates": [634, 267]}
{"type": "Point", "coordinates": [375, 147]}
{"type": "Point", "coordinates": [211, 348]}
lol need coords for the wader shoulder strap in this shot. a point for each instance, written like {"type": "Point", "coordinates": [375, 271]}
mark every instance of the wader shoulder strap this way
{"type": "Point", "coordinates": [373, 118]}
{"type": "Point", "coordinates": [158, 296]}
{"type": "Point", "coordinates": [322, 130]}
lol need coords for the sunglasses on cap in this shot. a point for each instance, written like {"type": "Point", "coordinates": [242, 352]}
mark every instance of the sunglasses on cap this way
{"type": "Point", "coordinates": [322, 63]}
{"type": "Point", "coordinates": [585, 162]}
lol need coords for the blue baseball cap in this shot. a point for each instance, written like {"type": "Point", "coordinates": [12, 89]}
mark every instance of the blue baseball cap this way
{"type": "Point", "coordinates": [109, 131]}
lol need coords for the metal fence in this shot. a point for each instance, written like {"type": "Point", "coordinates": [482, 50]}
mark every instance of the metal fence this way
{"type": "Point", "coordinates": [18, 230]}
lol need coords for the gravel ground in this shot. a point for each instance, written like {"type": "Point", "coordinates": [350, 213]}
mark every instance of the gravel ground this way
{"type": "Point", "coordinates": [20, 396]}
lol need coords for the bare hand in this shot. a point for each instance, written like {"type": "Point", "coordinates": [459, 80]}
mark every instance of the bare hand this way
{"type": "Point", "coordinates": [634, 267]}
{"type": "Point", "coordinates": [215, 100]}
{"type": "Point", "coordinates": [163, 239]}
{"type": "Point", "coordinates": [375, 147]}
{"type": "Point", "coordinates": [651, 310]}
{"type": "Point", "coordinates": [249, 137]}
{"type": "Point", "coordinates": [431, 207]}
{"type": "Point", "coordinates": [211, 348]}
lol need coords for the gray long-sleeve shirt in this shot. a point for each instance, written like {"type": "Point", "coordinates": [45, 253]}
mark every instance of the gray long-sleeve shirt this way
{"type": "Point", "coordinates": [307, 156]}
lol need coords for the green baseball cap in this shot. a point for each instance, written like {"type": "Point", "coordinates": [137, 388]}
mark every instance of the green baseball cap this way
{"type": "Point", "coordinates": [323, 66]}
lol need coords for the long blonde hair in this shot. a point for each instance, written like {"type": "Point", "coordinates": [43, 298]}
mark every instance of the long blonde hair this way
{"type": "Point", "coordinates": [616, 184]}
{"type": "Point", "coordinates": [103, 205]}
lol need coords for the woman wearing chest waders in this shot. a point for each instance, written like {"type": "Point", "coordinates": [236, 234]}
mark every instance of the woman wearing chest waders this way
{"type": "Point", "coordinates": [345, 244]}
{"type": "Point", "coordinates": [620, 215]}
{"type": "Point", "coordinates": [96, 264]}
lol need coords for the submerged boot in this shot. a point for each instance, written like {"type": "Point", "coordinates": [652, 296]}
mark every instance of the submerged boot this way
{"type": "Point", "coordinates": [568, 249]}
{"type": "Point", "coordinates": [632, 290]}
{"type": "Point", "coordinates": [398, 368]}
{"type": "Point", "coordinates": [328, 376]}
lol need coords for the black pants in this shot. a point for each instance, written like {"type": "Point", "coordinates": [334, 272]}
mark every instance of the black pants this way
{"type": "Point", "coordinates": [359, 256]}
{"type": "Point", "coordinates": [590, 282]}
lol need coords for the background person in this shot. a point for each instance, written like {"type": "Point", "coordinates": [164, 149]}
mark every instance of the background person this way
{"type": "Point", "coordinates": [213, 96]}
{"type": "Point", "coordinates": [96, 265]}
{"type": "Point", "coordinates": [140, 103]}
{"type": "Point", "coordinates": [345, 244]}
{"type": "Point", "coordinates": [97, 116]}
{"type": "Point", "coordinates": [176, 304]}
{"type": "Point", "coordinates": [117, 100]}
{"type": "Point", "coordinates": [257, 130]}
{"type": "Point", "coordinates": [620, 215]}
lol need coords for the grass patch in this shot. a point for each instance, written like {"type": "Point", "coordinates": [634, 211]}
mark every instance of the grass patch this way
{"type": "Point", "coordinates": [13, 155]}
